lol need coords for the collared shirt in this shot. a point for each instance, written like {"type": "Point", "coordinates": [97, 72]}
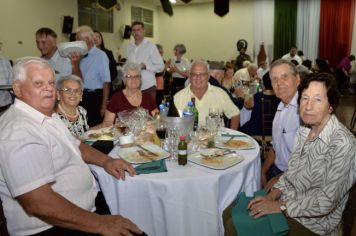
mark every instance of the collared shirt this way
{"type": "Point", "coordinates": [95, 69]}
{"type": "Point", "coordinates": [296, 57]}
{"type": "Point", "coordinates": [284, 129]}
{"type": "Point", "coordinates": [242, 75]}
{"type": "Point", "coordinates": [61, 65]}
{"type": "Point", "coordinates": [36, 150]}
{"type": "Point", "coordinates": [319, 176]}
{"type": "Point", "coordinates": [146, 53]}
{"type": "Point", "coordinates": [6, 78]}
{"type": "Point", "coordinates": [183, 65]}
{"type": "Point", "coordinates": [214, 97]}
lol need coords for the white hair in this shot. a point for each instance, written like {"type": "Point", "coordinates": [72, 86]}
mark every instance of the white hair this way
{"type": "Point", "coordinates": [21, 64]}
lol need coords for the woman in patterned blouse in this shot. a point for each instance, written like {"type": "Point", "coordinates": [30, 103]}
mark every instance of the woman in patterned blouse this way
{"type": "Point", "coordinates": [69, 94]}
{"type": "Point", "coordinates": [313, 192]}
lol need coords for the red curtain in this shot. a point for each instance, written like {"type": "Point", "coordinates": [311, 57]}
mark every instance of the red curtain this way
{"type": "Point", "coordinates": [335, 36]}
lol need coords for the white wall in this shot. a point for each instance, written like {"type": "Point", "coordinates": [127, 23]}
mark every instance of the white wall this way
{"type": "Point", "coordinates": [205, 34]}
{"type": "Point", "coordinates": [19, 20]}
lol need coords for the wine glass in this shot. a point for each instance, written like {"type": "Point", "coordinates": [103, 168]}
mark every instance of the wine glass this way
{"type": "Point", "coordinates": [161, 132]}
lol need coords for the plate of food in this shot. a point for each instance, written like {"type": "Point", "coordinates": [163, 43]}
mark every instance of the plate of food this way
{"type": "Point", "coordinates": [108, 133]}
{"type": "Point", "coordinates": [215, 158]}
{"type": "Point", "coordinates": [65, 49]}
{"type": "Point", "coordinates": [144, 153]}
{"type": "Point", "coordinates": [235, 142]}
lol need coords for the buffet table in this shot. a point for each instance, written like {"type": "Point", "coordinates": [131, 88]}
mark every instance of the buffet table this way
{"type": "Point", "coordinates": [186, 200]}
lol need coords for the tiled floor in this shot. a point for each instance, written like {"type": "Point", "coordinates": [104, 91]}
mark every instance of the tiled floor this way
{"type": "Point", "coordinates": [346, 109]}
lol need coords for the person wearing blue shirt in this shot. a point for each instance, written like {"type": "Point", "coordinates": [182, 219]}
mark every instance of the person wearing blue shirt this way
{"type": "Point", "coordinates": [93, 68]}
{"type": "Point", "coordinates": [285, 81]}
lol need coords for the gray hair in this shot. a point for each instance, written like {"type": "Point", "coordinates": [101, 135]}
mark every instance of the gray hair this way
{"type": "Point", "coordinates": [21, 64]}
{"type": "Point", "coordinates": [59, 83]}
{"type": "Point", "coordinates": [86, 31]}
{"type": "Point", "coordinates": [252, 66]}
{"type": "Point", "coordinates": [200, 62]}
{"type": "Point", "coordinates": [180, 48]}
{"type": "Point", "coordinates": [131, 66]}
{"type": "Point", "coordinates": [281, 62]}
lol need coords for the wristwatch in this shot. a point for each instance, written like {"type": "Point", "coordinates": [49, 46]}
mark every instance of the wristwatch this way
{"type": "Point", "coordinates": [283, 208]}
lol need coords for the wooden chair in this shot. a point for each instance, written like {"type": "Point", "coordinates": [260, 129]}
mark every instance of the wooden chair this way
{"type": "Point", "coordinates": [268, 110]}
{"type": "Point", "coordinates": [3, 227]}
{"type": "Point", "coordinates": [349, 214]}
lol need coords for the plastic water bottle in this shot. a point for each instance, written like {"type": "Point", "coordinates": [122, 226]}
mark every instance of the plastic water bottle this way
{"type": "Point", "coordinates": [188, 111]}
{"type": "Point", "coordinates": [163, 110]}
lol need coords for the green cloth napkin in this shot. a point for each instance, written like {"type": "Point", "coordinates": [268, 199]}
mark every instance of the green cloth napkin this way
{"type": "Point", "coordinates": [269, 225]}
{"type": "Point", "coordinates": [151, 167]}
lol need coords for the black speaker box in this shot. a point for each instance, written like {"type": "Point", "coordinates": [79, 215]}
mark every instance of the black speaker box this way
{"type": "Point", "coordinates": [127, 32]}
{"type": "Point", "coordinates": [67, 25]}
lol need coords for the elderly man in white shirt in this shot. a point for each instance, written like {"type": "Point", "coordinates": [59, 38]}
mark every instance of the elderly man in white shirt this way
{"type": "Point", "coordinates": [145, 53]}
{"type": "Point", "coordinates": [46, 187]}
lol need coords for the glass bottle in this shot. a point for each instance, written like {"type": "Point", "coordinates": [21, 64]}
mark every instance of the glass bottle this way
{"type": "Point", "coordinates": [182, 151]}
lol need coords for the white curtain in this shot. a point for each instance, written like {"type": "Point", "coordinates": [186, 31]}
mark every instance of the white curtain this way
{"type": "Point", "coordinates": [263, 27]}
{"type": "Point", "coordinates": [308, 21]}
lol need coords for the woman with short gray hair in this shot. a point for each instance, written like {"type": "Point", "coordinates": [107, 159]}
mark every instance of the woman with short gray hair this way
{"type": "Point", "coordinates": [131, 97]}
{"type": "Point", "coordinates": [69, 94]}
{"type": "Point", "coordinates": [179, 66]}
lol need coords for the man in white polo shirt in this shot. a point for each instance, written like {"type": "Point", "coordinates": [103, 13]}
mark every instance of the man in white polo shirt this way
{"type": "Point", "coordinates": [46, 187]}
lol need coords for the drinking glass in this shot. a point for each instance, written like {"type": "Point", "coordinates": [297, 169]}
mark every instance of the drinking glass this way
{"type": "Point", "coordinates": [171, 143]}
{"type": "Point", "coordinates": [161, 132]}
{"type": "Point", "coordinates": [214, 112]}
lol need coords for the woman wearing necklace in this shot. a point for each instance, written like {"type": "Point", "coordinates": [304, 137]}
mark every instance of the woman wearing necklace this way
{"type": "Point", "coordinates": [69, 94]}
{"type": "Point", "coordinates": [131, 97]}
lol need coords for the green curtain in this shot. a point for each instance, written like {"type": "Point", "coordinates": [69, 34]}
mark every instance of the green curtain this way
{"type": "Point", "coordinates": [285, 26]}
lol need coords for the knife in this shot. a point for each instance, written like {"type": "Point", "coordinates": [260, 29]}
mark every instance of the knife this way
{"type": "Point", "coordinates": [233, 135]}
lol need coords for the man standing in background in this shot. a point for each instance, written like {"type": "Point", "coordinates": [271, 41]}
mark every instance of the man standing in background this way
{"type": "Point", "coordinates": [46, 41]}
{"type": "Point", "coordinates": [292, 55]}
{"type": "Point", "coordinates": [6, 78]}
{"type": "Point", "coordinates": [145, 53]}
{"type": "Point", "coordinates": [93, 68]}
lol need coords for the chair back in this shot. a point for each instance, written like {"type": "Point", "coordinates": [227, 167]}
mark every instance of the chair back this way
{"type": "Point", "coordinates": [349, 214]}
{"type": "Point", "coordinates": [3, 227]}
{"type": "Point", "coordinates": [268, 110]}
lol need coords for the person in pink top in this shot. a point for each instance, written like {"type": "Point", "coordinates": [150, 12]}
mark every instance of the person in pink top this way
{"type": "Point", "coordinates": [343, 73]}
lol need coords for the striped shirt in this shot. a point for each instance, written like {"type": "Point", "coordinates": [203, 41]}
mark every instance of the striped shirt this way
{"type": "Point", "coordinates": [320, 174]}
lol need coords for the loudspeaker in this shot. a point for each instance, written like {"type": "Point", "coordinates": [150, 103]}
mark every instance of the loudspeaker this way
{"type": "Point", "coordinates": [126, 31]}
{"type": "Point", "coordinates": [67, 25]}
{"type": "Point", "coordinates": [167, 7]}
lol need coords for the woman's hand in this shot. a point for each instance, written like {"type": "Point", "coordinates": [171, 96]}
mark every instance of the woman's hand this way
{"type": "Point", "coordinates": [263, 205]}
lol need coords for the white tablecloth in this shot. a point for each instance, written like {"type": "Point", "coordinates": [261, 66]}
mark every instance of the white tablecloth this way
{"type": "Point", "coordinates": [186, 200]}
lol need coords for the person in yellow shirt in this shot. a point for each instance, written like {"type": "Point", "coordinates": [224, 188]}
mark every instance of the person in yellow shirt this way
{"type": "Point", "coordinates": [206, 96]}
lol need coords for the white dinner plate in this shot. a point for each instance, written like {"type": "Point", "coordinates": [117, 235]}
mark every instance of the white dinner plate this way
{"type": "Point", "coordinates": [67, 48]}
{"type": "Point", "coordinates": [215, 162]}
{"type": "Point", "coordinates": [236, 143]}
{"type": "Point", "coordinates": [108, 133]}
{"type": "Point", "coordinates": [137, 155]}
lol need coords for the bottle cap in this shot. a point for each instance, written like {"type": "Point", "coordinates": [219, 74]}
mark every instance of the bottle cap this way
{"type": "Point", "coordinates": [161, 107]}
{"type": "Point", "coordinates": [181, 137]}
{"type": "Point", "coordinates": [190, 103]}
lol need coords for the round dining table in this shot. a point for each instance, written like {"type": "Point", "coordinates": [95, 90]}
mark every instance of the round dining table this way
{"type": "Point", "coordinates": [185, 200]}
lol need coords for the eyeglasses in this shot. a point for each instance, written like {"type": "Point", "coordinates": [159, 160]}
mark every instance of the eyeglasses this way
{"type": "Point", "coordinates": [71, 91]}
{"type": "Point", "coordinates": [195, 75]}
{"type": "Point", "coordinates": [132, 76]}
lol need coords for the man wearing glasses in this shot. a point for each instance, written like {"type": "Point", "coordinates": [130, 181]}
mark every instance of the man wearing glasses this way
{"type": "Point", "coordinates": [206, 96]}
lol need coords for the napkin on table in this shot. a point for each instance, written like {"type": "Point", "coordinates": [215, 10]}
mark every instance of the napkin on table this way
{"type": "Point", "coordinates": [151, 167]}
{"type": "Point", "coordinates": [271, 225]}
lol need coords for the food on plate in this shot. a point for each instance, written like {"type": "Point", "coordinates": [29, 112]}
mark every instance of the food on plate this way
{"type": "Point", "coordinates": [101, 136]}
{"type": "Point", "coordinates": [214, 160]}
{"type": "Point", "coordinates": [233, 143]}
